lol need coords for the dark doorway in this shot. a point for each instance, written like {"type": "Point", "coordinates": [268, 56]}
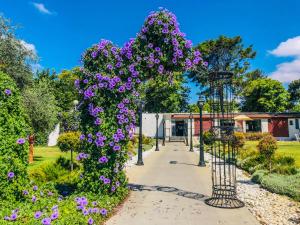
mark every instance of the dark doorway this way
{"type": "Point", "coordinates": [179, 128]}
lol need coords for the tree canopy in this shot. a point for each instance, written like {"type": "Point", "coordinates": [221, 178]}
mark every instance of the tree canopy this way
{"type": "Point", "coordinates": [265, 95]}
{"type": "Point", "coordinates": [15, 57]}
{"type": "Point", "coordinates": [294, 90]}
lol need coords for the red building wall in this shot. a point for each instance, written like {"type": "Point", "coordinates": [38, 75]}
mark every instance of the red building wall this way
{"type": "Point", "coordinates": [206, 125]}
{"type": "Point", "coordinates": [278, 127]}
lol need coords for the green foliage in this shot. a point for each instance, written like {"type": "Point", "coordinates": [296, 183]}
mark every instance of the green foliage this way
{"type": "Point", "coordinates": [224, 54]}
{"type": "Point", "coordinates": [13, 125]}
{"type": "Point", "coordinates": [265, 95]}
{"type": "Point", "coordinates": [41, 105]}
{"type": "Point", "coordinates": [238, 140]}
{"type": "Point", "coordinates": [69, 141]}
{"type": "Point", "coordinates": [66, 163]}
{"type": "Point", "coordinates": [161, 95]}
{"type": "Point", "coordinates": [294, 90]}
{"type": "Point", "coordinates": [66, 206]}
{"type": "Point", "coordinates": [267, 146]}
{"type": "Point", "coordinates": [108, 86]}
{"type": "Point", "coordinates": [281, 184]}
{"type": "Point", "coordinates": [255, 136]}
{"type": "Point", "coordinates": [208, 138]}
{"type": "Point", "coordinates": [15, 57]}
{"type": "Point", "coordinates": [65, 91]}
{"type": "Point", "coordinates": [194, 108]}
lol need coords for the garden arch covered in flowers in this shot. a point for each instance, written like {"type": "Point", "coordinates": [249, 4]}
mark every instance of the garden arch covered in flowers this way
{"type": "Point", "coordinates": [109, 85]}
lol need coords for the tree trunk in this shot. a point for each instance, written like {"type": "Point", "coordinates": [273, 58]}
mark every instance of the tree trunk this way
{"type": "Point", "coordinates": [71, 159]}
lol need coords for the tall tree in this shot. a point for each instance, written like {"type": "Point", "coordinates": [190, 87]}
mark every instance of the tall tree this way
{"type": "Point", "coordinates": [223, 54]}
{"type": "Point", "coordinates": [42, 109]}
{"type": "Point", "coordinates": [294, 90]}
{"type": "Point", "coordinates": [15, 57]}
{"type": "Point", "coordinates": [162, 95]}
{"type": "Point", "coordinates": [264, 95]}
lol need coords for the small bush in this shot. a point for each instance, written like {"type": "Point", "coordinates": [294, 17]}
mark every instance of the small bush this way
{"type": "Point", "coordinates": [66, 163]}
{"type": "Point", "coordinates": [238, 140]}
{"type": "Point", "coordinates": [47, 172]}
{"type": "Point", "coordinates": [285, 160]}
{"type": "Point", "coordinates": [69, 141]}
{"type": "Point", "coordinates": [255, 136]}
{"type": "Point", "coordinates": [267, 147]}
{"type": "Point", "coordinates": [284, 169]}
{"type": "Point", "coordinates": [147, 140]}
{"type": "Point", "coordinates": [258, 175]}
{"type": "Point", "coordinates": [208, 138]}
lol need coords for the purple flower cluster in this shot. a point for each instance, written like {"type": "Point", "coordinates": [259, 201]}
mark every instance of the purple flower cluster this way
{"type": "Point", "coordinates": [105, 180]}
{"type": "Point", "coordinates": [103, 159]}
{"type": "Point", "coordinates": [81, 156]}
{"type": "Point", "coordinates": [82, 205]}
{"type": "Point", "coordinates": [13, 216]}
{"type": "Point", "coordinates": [21, 141]}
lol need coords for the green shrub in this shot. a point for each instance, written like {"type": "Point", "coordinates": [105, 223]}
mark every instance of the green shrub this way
{"type": "Point", "coordinates": [238, 140]}
{"type": "Point", "coordinates": [283, 184]}
{"type": "Point", "coordinates": [47, 172]}
{"type": "Point", "coordinates": [284, 169]}
{"type": "Point", "coordinates": [267, 147]}
{"type": "Point", "coordinates": [258, 175]}
{"type": "Point", "coordinates": [254, 136]}
{"type": "Point", "coordinates": [66, 163]}
{"type": "Point", "coordinates": [147, 140]}
{"type": "Point", "coordinates": [208, 138]}
{"type": "Point", "coordinates": [285, 160]}
{"type": "Point", "coordinates": [252, 163]}
{"type": "Point", "coordinates": [69, 141]}
{"type": "Point", "coordinates": [13, 126]}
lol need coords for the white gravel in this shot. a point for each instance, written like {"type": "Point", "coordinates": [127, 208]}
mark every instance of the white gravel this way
{"type": "Point", "coordinates": [269, 208]}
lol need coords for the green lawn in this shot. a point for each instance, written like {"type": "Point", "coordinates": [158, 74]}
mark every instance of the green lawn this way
{"type": "Point", "coordinates": [43, 154]}
{"type": "Point", "coordinates": [288, 148]}
{"type": "Point", "coordinates": [50, 154]}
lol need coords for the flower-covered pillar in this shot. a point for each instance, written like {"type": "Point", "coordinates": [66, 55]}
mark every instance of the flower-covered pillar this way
{"type": "Point", "coordinates": [108, 86]}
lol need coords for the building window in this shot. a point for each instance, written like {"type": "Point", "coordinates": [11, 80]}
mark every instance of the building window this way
{"type": "Point", "coordinates": [253, 126]}
{"type": "Point", "coordinates": [291, 122]}
{"type": "Point", "coordinates": [297, 124]}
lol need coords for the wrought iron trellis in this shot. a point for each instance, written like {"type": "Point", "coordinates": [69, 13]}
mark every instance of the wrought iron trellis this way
{"type": "Point", "coordinates": [223, 151]}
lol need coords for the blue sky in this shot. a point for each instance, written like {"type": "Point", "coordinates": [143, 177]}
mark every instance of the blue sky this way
{"type": "Point", "coordinates": [60, 30]}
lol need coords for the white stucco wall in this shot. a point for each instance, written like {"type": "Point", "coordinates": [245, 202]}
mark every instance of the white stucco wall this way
{"type": "Point", "coordinates": [264, 125]}
{"type": "Point", "coordinates": [292, 129]}
{"type": "Point", "coordinates": [149, 125]}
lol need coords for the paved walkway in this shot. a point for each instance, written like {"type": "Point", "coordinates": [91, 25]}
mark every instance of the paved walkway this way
{"type": "Point", "coordinates": [168, 193]}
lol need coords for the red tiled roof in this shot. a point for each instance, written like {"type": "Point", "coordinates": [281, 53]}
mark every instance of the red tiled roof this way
{"type": "Point", "coordinates": [252, 115]}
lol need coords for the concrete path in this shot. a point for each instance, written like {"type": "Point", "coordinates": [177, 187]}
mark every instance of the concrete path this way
{"type": "Point", "coordinates": [170, 190]}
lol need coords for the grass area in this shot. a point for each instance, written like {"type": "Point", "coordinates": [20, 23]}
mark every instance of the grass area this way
{"type": "Point", "coordinates": [285, 148]}
{"type": "Point", "coordinates": [50, 154]}
{"type": "Point", "coordinates": [44, 153]}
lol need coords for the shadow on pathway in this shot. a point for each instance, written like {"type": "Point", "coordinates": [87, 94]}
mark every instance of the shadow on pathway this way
{"type": "Point", "coordinates": [171, 190]}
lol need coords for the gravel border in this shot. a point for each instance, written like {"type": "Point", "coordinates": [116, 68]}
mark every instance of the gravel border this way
{"type": "Point", "coordinates": [269, 208]}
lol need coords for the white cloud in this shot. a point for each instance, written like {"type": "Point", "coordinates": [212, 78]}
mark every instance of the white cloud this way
{"type": "Point", "coordinates": [42, 8]}
{"type": "Point", "coordinates": [29, 46]}
{"type": "Point", "coordinates": [287, 71]}
{"type": "Point", "coordinates": [291, 47]}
